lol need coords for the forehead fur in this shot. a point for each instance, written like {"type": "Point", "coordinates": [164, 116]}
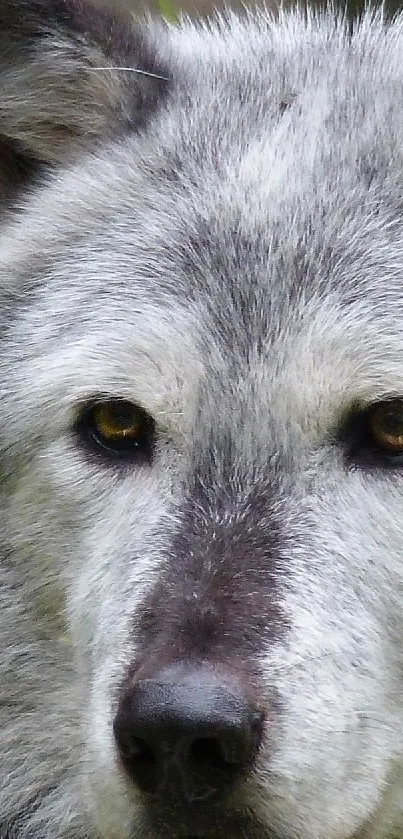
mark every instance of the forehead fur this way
{"type": "Point", "coordinates": [267, 181]}
{"type": "Point", "coordinates": [283, 144]}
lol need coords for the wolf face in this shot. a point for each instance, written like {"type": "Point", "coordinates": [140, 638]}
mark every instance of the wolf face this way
{"type": "Point", "coordinates": [201, 426]}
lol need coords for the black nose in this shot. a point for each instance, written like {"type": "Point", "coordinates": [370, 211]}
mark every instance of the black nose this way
{"type": "Point", "coordinates": [186, 734]}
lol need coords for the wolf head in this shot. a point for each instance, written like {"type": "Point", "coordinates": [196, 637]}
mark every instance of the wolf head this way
{"type": "Point", "coordinates": [201, 426]}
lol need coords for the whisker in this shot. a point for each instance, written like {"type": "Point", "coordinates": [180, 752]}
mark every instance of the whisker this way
{"type": "Point", "coordinates": [133, 70]}
{"type": "Point", "coordinates": [282, 666]}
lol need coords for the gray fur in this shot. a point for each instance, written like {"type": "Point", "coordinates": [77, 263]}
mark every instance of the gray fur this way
{"type": "Point", "coordinates": [223, 246]}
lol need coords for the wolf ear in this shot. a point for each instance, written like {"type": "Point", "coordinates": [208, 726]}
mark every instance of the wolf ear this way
{"type": "Point", "coordinates": [61, 86]}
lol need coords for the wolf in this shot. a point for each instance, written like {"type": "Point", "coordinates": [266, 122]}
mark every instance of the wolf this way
{"type": "Point", "coordinates": [201, 425]}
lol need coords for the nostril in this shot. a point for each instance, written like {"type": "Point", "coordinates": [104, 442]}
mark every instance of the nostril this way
{"type": "Point", "coordinates": [136, 749]}
{"type": "Point", "coordinates": [225, 750]}
{"type": "Point", "coordinates": [139, 759]}
{"type": "Point", "coordinates": [207, 751]}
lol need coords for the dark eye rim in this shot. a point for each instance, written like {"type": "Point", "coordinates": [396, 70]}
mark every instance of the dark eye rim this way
{"type": "Point", "coordinates": [138, 450]}
{"type": "Point", "coordinates": [363, 450]}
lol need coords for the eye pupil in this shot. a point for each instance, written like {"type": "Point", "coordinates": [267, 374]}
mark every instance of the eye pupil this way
{"type": "Point", "coordinates": [117, 429]}
{"type": "Point", "coordinates": [118, 421]}
{"type": "Point", "coordinates": [392, 423]}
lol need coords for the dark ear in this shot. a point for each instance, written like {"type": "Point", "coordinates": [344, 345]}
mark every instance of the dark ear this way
{"type": "Point", "coordinates": [61, 87]}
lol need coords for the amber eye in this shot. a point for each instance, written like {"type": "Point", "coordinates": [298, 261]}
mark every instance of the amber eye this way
{"type": "Point", "coordinates": [385, 426]}
{"type": "Point", "coordinates": [117, 420]}
{"type": "Point", "coordinates": [119, 428]}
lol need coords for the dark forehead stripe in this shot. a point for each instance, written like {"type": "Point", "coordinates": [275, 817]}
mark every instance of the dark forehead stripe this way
{"type": "Point", "coordinates": [215, 599]}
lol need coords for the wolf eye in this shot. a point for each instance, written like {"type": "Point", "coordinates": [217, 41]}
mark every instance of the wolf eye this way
{"type": "Point", "coordinates": [373, 437]}
{"type": "Point", "coordinates": [119, 429]}
{"type": "Point", "coordinates": [384, 426]}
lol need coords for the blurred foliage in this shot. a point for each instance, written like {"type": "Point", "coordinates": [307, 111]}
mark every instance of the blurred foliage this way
{"type": "Point", "coordinates": [168, 10]}
{"type": "Point", "coordinates": [171, 9]}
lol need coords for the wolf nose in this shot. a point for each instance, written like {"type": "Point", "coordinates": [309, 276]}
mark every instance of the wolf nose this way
{"type": "Point", "coordinates": [186, 735]}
